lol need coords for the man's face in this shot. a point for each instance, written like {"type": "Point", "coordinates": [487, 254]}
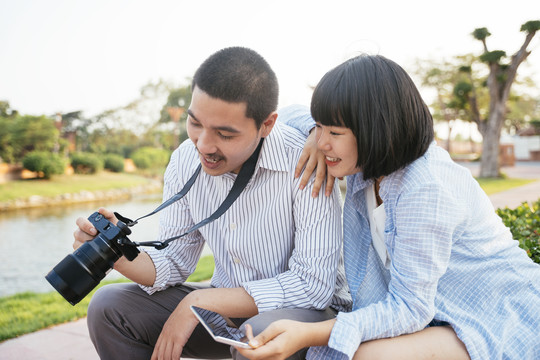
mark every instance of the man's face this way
{"type": "Point", "coordinates": [224, 137]}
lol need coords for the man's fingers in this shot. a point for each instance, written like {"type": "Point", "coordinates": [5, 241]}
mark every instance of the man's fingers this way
{"type": "Point", "coordinates": [108, 214]}
{"type": "Point", "coordinates": [86, 226]}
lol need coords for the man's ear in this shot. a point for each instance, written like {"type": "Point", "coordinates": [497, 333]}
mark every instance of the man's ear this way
{"type": "Point", "coordinates": [268, 124]}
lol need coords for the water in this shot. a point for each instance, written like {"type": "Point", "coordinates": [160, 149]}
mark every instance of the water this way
{"type": "Point", "coordinates": [33, 241]}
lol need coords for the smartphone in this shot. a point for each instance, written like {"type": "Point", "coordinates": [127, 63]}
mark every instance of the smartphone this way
{"type": "Point", "coordinates": [215, 323]}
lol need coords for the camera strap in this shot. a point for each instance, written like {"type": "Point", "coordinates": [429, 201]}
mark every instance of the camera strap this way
{"type": "Point", "coordinates": [244, 175]}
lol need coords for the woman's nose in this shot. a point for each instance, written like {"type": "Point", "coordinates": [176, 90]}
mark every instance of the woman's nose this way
{"type": "Point", "coordinates": [322, 140]}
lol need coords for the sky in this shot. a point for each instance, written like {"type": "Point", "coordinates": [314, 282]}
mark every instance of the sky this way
{"type": "Point", "coordinates": [63, 56]}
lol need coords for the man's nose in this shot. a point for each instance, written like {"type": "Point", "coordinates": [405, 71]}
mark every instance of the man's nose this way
{"type": "Point", "coordinates": [206, 143]}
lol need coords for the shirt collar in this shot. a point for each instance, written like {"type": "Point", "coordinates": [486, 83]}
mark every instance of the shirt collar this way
{"type": "Point", "coordinates": [273, 154]}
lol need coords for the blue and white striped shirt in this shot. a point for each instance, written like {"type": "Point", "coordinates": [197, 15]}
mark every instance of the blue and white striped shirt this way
{"type": "Point", "coordinates": [452, 261]}
{"type": "Point", "coordinates": [276, 241]}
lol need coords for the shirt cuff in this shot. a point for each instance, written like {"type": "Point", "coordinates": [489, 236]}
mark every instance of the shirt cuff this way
{"type": "Point", "coordinates": [163, 273]}
{"type": "Point", "coordinates": [267, 293]}
{"type": "Point", "coordinates": [345, 336]}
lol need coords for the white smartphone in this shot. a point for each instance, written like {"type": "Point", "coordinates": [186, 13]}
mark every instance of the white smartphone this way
{"type": "Point", "coordinates": [215, 323]}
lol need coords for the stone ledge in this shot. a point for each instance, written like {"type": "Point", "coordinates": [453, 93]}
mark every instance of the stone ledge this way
{"type": "Point", "coordinates": [36, 201]}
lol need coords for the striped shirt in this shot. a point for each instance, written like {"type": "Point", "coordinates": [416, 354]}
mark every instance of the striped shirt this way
{"type": "Point", "coordinates": [276, 241]}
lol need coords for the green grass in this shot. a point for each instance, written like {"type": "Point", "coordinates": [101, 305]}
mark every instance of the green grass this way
{"type": "Point", "coordinates": [23, 189]}
{"type": "Point", "coordinates": [492, 186]}
{"type": "Point", "coordinates": [28, 312]}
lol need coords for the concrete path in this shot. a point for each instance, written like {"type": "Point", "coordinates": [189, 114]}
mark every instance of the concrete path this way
{"type": "Point", "coordinates": [71, 341]}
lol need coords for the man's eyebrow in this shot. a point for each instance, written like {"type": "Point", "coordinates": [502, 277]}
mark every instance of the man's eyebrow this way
{"type": "Point", "coordinates": [220, 128]}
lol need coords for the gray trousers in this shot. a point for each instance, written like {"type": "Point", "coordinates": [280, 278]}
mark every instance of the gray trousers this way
{"type": "Point", "coordinates": [125, 322]}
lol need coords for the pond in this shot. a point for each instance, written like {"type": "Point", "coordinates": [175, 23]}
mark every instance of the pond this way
{"type": "Point", "coordinates": [33, 241]}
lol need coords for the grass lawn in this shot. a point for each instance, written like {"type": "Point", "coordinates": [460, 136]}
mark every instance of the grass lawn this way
{"type": "Point", "coordinates": [22, 189]}
{"type": "Point", "coordinates": [28, 312]}
{"type": "Point", "coordinates": [492, 186]}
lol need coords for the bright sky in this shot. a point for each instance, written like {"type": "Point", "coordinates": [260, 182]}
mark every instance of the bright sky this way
{"type": "Point", "coordinates": [61, 56]}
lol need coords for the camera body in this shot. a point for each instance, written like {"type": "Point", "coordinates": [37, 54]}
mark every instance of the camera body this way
{"type": "Point", "coordinates": [81, 271]}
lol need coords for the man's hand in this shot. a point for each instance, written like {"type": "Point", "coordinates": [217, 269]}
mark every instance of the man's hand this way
{"type": "Point", "coordinates": [312, 160]}
{"type": "Point", "coordinates": [175, 333]}
{"type": "Point", "coordinates": [86, 231]}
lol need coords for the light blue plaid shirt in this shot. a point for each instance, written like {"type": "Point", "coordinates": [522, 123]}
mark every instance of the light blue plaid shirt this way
{"type": "Point", "coordinates": [452, 260]}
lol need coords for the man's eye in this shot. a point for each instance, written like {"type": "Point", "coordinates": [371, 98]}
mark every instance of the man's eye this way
{"type": "Point", "coordinates": [225, 137]}
{"type": "Point", "coordinates": [194, 123]}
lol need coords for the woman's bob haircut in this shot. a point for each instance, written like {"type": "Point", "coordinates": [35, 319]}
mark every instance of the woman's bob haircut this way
{"type": "Point", "coordinates": [375, 98]}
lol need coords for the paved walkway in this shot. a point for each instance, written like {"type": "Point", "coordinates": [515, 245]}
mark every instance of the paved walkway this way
{"type": "Point", "coordinates": [71, 341]}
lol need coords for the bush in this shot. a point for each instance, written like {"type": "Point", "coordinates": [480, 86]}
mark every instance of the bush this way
{"type": "Point", "coordinates": [44, 163]}
{"type": "Point", "coordinates": [86, 163]}
{"type": "Point", "coordinates": [524, 223]}
{"type": "Point", "coordinates": [114, 163]}
{"type": "Point", "coordinates": [147, 157]}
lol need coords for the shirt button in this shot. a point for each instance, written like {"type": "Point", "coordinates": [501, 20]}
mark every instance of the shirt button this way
{"type": "Point", "coordinates": [236, 260]}
{"type": "Point", "coordinates": [232, 226]}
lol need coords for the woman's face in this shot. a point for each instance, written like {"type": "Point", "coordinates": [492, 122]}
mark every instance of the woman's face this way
{"type": "Point", "coordinates": [339, 146]}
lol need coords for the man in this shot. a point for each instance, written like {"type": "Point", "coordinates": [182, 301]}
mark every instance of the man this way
{"type": "Point", "coordinates": [276, 249]}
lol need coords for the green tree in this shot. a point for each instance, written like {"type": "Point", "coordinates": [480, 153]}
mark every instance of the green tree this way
{"type": "Point", "coordinates": [29, 133]}
{"type": "Point", "coordinates": [448, 84]}
{"type": "Point", "coordinates": [174, 110]}
{"type": "Point", "coordinates": [502, 74]}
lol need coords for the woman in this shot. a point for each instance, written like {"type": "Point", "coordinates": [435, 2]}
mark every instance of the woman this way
{"type": "Point", "coordinates": [425, 253]}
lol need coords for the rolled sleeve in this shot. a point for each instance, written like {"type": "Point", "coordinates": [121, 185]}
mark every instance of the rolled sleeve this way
{"type": "Point", "coordinates": [163, 273]}
{"type": "Point", "coordinates": [268, 294]}
{"type": "Point", "coordinates": [345, 336]}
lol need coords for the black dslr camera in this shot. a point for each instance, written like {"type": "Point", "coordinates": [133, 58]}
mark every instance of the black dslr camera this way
{"type": "Point", "coordinates": [78, 273]}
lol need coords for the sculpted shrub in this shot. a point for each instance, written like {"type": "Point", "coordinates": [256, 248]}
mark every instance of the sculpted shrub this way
{"type": "Point", "coordinates": [524, 223]}
{"type": "Point", "coordinates": [44, 163]}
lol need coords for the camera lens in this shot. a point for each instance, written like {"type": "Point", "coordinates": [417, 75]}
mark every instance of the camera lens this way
{"type": "Point", "coordinates": [80, 272]}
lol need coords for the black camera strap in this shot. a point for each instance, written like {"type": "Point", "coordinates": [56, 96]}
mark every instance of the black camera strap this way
{"type": "Point", "coordinates": [244, 175]}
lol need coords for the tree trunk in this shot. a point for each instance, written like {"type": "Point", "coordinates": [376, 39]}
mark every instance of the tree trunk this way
{"type": "Point", "coordinates": [490, 165]}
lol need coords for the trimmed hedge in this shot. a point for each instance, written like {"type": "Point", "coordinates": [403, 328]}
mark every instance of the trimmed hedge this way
{"type": "Point", "coordinates": [148, 157]}
{"type": "Point", "coordinates": [44, 163]}
{"type": "Point", "coordinates": [114, 162]}
{"type": "Point", "coordinates": [524, 223]}
{"type": "Point", "coordinates": [86, 163]}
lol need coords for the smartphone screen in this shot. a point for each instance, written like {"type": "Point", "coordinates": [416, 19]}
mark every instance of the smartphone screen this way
{"type": "Point", "coordinates": [215, 323]}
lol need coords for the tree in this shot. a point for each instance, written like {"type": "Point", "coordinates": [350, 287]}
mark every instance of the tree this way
{"type": "Point", "coordinates": [174, 111]}
{"type": "Point", "coordinates": [29, 133]}
{"type": "Point", "coordinates": [500, 79]}
{"type": "Point", "coordinates": [448, 84]}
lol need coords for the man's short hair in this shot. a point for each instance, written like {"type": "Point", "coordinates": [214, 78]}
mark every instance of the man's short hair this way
{"type": "Point", "coordinates": [238, 74]}
{"type": "Point", "coordinates": [375, 98]}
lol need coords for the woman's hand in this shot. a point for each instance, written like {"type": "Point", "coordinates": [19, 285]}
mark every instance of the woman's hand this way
{"type": "Point", "coordinates": [281, 339]}
{"type": "Point", "coordinates": [312, 160]}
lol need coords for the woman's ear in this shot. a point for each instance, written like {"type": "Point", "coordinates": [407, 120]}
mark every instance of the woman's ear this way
{"type": "Point", "coordinates": [268, 124]}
